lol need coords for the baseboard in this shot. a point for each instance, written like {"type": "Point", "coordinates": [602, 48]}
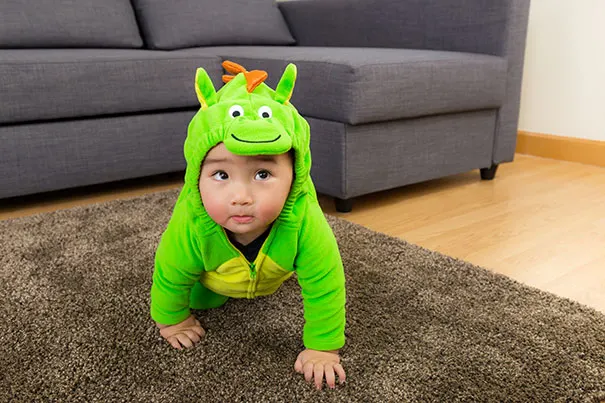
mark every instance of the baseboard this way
{"type": "Point", "coordinates": [572, 149]}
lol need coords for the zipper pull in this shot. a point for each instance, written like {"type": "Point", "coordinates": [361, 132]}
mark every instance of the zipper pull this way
{"type": "Point", "coordinates": [253, 269]}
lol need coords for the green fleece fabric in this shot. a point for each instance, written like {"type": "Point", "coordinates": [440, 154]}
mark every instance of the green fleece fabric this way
{"type": "Point", "coordinates": [194, 250]}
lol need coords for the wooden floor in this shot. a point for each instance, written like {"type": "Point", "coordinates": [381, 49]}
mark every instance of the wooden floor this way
{"type": "Point", "coordinates": [541, 221]}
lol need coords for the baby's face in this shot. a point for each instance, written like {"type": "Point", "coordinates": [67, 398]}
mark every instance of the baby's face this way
{"type": "Point", "coordinates": [244, 194]}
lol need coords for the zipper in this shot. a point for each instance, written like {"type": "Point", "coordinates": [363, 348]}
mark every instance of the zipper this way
{"type": "Point", "coordinates": [252, 269]}
{"type": "Point", "coordinates": [251, 265]}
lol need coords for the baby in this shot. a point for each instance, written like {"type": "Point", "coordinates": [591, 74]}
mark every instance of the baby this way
{"type": "Point", "coordinates": [247, 218]}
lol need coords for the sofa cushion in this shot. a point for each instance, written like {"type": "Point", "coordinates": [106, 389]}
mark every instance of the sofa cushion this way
{"type": "Point", "coordinates": [361, 85]}
{"type": "Point", "coordinates": [190, 23]}
{"type": "Point", "coordinates": [68, 23]}
{"type": "Point", "coordinates": [69, 153]}
{"type": "Point", "coordinates": [41, 84]}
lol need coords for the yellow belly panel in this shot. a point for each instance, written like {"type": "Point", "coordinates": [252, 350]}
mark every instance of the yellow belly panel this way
{"type": "Point", "coordinates": [237, 278]}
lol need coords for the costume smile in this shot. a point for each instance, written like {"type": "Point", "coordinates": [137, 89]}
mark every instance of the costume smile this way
{"type": "Point", "coordinates": [260, 141]}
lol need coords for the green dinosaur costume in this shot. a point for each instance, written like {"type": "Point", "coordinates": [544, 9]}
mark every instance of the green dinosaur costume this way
{"type": "Point", "coordinates": [197, 266]}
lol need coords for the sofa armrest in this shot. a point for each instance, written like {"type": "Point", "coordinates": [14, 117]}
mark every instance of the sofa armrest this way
{"type": "Point", "coordinates": [490, 27]}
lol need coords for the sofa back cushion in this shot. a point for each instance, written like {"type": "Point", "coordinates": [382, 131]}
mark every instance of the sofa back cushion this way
{"type": "Point", "coordinates": [68, 23]}
{"type": "Point", "coordinates": [192, 23]}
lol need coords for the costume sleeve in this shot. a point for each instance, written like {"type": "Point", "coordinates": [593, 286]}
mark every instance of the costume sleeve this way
{"type": "Point", "coordinates": [178, 266]}
{"type": "Point", "coordinates": [321, 277]}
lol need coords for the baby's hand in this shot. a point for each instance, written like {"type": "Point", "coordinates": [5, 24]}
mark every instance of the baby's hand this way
{"type": "Point", "coordinates": [314, 364]}
{"type": "Point", "coordinates": [184, 334]}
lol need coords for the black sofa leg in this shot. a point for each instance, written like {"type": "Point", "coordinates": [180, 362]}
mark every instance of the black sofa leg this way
{"type": "Point", "coordinates": [343, 205]}
{"type": "Point", "coordinates": [488, 174]}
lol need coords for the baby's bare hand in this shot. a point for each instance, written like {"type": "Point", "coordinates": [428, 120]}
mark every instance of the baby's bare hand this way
{"type": "Point", "coordinates": [184, 334]}
{"type": "Point", "coordinates": [317, 364]}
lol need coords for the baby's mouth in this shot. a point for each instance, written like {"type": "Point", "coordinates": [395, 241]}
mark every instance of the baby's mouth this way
{"type": "Point", "coordinates": [242, 219]}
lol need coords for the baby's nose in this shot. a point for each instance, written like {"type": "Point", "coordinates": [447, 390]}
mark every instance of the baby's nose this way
{"type": "Point", "coordinates": [241, 196]}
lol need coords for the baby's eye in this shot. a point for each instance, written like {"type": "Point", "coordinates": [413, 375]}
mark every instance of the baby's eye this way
{"type": "Point", "coordinates": [262, 175]}
{"type": "Point", "coordinates": [265, 112]}
{"type": "Point", "coordinates": [235, 111]}
{"type": "Point", "coordinates": [220, 176]}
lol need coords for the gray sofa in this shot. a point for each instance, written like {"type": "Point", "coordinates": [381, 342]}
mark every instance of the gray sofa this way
{"type": "Point", "coordinates": [395, 91]}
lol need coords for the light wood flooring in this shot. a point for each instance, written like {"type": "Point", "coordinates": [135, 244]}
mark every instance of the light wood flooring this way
{"type": "Point", "coordinates": [541, 222]}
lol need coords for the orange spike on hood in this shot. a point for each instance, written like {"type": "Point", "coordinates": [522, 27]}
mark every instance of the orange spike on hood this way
{"type": "Point", "coordinates": [254, 78]}
{"type": "Point", "coordinates": [233, 68]}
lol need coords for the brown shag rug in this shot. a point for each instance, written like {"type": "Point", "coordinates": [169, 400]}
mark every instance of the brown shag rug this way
{"type": "Point", "coordinates": [75, 326]}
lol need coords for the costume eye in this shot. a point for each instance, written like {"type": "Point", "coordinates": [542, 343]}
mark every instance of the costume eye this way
{"type": "Point", "coordinates": [262, 175]}
{"type": "Point", "coordinates": [235, 111]}
{"type": "Point", "coordinates": [265, 112]}
{"type": "Point", "coordinates": [220, 176]}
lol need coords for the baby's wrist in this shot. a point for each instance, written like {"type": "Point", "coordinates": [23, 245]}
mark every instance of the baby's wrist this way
{"type": "Point", "coordinates": [327, 351]}
{"type": "Point", "coordinates": [162, 326]}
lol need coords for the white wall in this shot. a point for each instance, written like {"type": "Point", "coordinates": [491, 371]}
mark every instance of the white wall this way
{"type": "Point", "coordinates": [563, 90]}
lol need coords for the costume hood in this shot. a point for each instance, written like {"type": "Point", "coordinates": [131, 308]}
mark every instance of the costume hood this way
{"type": "Point", "coordinates": [250, 118]}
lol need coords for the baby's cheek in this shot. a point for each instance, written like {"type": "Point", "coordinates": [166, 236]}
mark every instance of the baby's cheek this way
{"type": "Point", "coordinates": [215, 210]}
{"type": "Point", "coordinates": [271, 209]}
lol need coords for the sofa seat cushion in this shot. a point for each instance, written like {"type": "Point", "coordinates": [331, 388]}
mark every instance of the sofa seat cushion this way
{"type": "Point", "coordinates": [361, 85]}
{"type": "Point", "coordinates": [191, 23]}
{"type": "Point", "coordinates": [45, 84]}
{"type": "Point", "coordinates": [68, 23]}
